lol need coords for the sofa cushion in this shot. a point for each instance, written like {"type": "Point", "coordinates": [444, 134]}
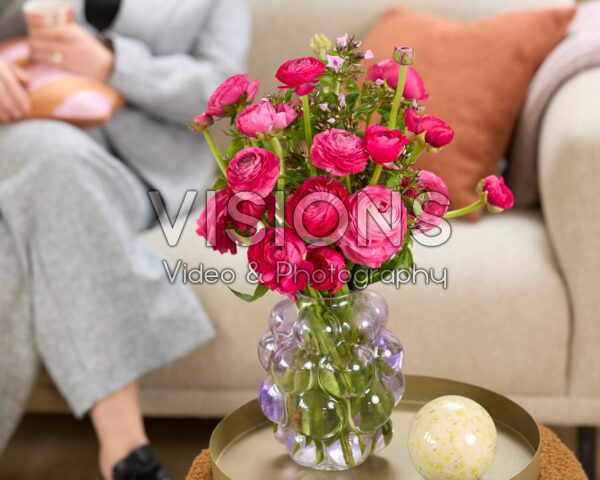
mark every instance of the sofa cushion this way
{"type": "Point", "coordinates": [503, 321]}
{"type": "Point", "coordinates": [477, 75]}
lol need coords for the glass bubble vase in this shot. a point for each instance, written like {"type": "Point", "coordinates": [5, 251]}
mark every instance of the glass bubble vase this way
{"type": "Point", "coordinates": [333, 378]}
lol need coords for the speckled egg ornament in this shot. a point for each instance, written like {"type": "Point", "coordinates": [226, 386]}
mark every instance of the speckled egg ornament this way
{"type": "Point", "coordinates": [452, 438]}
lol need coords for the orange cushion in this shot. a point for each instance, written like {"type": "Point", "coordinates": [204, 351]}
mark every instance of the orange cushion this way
{"type": "Point", "coordinates": [57, 94]}
{"type": "Point", "coordinates": [477, 75]}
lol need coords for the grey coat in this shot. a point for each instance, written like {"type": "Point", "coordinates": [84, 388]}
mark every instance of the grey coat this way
{"type": "Point", "coordinates": [78, 289]}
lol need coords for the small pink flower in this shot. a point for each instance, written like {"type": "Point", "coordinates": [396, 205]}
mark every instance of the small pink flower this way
{"type": "Point", "coordinates": [437, 132]}
{"type": "Point", "coordinates": [384, 145]}
{"type": "Point", "coordinates": [499, 195]}
{"type": "Point", "coordinates": [212, 223]}
{"type": "Point", "coordinates": [331, 120]}
{"type": "Point", "coordinates": [230, 92]}
{"type": "Point", "coordinates": [300, 74]}
{"type": "Point", "coordinates": [377, 226]}
{"type": "Point", "coordinates": [369, 54]}
{"type": "Point", "coordinates": [324, 107]}
{"type": "Point", "coordinates": [253, 169]}
{"type": "Point", "coordinates": [342, 41]}
{"type": "Point", "coordinates": [329, 269]}
{"type": "Point", "coordinates": [279, 261]}
{"type": "Point", "coordinates": [334, 62]}
{"type": "Point", "coordinates": [339, 152]}
{"type": "Point", "coordinates": [262, 118]}
{"type": "Point", "coordinates": [389, 71]}
{"type": "Point", "coordinates": [432, 194]}
{"type": "Point", "coordinates": [342, 100]}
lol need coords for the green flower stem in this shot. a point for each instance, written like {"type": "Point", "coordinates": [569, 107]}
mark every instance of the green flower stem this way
{"type": "Point", "coordinates": [415, 154]}
{"type": "Point", "coordinates": [463, 211]}
{"type": "Point", "coordinates": [368, 119]}
{"type": "Point", "coordinates": [215, 150]}
{"type": "Point", "coordinates": [398, 97]}
{"type": "Point", "coordinates": [276, 144]}
{"type": "Point", "coordinates": [347, 182]}
{"type": "Point", "coordinates": [308, 133]}
{"type": "Point", "coordinates": [393, 116]}
{"type": "Point", "coordinates": [376, 173]}
{"type": "Point", "coordinates": [253, 142]}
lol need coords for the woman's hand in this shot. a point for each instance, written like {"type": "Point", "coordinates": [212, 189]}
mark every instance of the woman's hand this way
{"type": "Point", "coordinates": [14, 102]}
{"type": "Point", "coordinates": [73, 48]}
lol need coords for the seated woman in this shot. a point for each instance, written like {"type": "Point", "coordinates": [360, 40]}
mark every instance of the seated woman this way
{"type": "Point", "coordinates": [78, 290]}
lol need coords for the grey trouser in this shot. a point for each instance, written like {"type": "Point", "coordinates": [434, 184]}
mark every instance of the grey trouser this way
{"type": "Point", "coordinates": [78, 290]}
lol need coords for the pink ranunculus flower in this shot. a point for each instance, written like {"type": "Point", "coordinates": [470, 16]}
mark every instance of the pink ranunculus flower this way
{"type": "Point", "coordinates": [384, 145]}
{"type": "Point", "coordinates": [279, 261]}
{"type": "Point", "coordinates": [432, 194]}
{"type": "Point", "coordinates": [499, 195]}
{"type": "Point", "coordinates": [230, 92]}
{"type": "Point", "coordinates": [437, 132]}
{"type": "Point", "coordinates": [377, 227]}
{"type": "Point", "coordinates": [389, 71]}
{"type": "Point", "coordinates": [247, 208]}
{"type": "Point", "coordinates": [339, 152]}
{"type": "Point", "coordinates": [262, 118]}
{"type": "Point", "coordinates": [253, 169]}
{"type": "Point", "coordinates": [317, 209]}
{"type": "Point", "coordinates": [212, 223]}
{"type": "Point", "coordinates": [329, 269]}
{"type": "Point", "coordinates": [300, 73]}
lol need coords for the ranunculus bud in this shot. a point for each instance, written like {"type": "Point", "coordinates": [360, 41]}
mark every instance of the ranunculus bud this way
{"type": "Point", "coordinates": [230, 92]}
{"type": "Point", "coordinates": [433, 131]}
{"type": "Point", "coordinates": [432, 194]}
{"type": "Point", "coordinates": [202, 121]}
{"type": "Point", "coordinates": [405, 55]}
{"type": "Point", "coordinates": [499, 196]}
{"type": "Point", "coordinates": [320, 45]}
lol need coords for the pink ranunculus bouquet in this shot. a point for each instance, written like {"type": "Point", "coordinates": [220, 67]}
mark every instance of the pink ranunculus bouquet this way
{"type": "Point", "coordinates": [328, 201]}
{"type": "Point", "coordinates": [349, 197]}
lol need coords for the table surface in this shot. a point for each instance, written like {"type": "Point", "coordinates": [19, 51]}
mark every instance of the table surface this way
{"type": "Point", "coordinates": [557, 461]}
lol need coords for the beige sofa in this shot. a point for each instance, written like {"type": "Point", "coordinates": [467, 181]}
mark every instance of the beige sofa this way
{"type": "Point", "coordinates": [520, 312]}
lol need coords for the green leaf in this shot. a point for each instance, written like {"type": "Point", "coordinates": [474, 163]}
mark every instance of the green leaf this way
{"type": "Point", "coordinates": [220, 183]}
{"type": "Point", "coordinates": [329, 383]}
{"type": "Point", "coordinates": [235, 146]}
{"type": "Point", "coordinates": [319, 453]}
{"type": "Point", "coordinates": [327, 80]}
{"type": "Point", "coordinates": [394, 181]}
{"type": "Point", "coordinates": [351, 100]}
{"type": "Point", "coordinates": [388, 432]}
{"type": "Point", "coordinates": [259, 292]}
{"type": "Point", "coordinates": [297, 446]}
{"type": "Point", "coordinates": [361, 443]}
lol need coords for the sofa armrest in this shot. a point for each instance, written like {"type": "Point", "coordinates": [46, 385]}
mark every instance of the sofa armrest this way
{"type": "Point", "coordinates": [569, 176]}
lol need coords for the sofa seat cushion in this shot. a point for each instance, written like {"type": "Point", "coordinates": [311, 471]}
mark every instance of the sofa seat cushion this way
{"type": "Point", "coordinates": [502, 322]}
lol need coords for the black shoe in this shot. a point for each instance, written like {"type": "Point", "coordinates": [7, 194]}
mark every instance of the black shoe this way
{"type": "Point", "coordinates": [141, 464]}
